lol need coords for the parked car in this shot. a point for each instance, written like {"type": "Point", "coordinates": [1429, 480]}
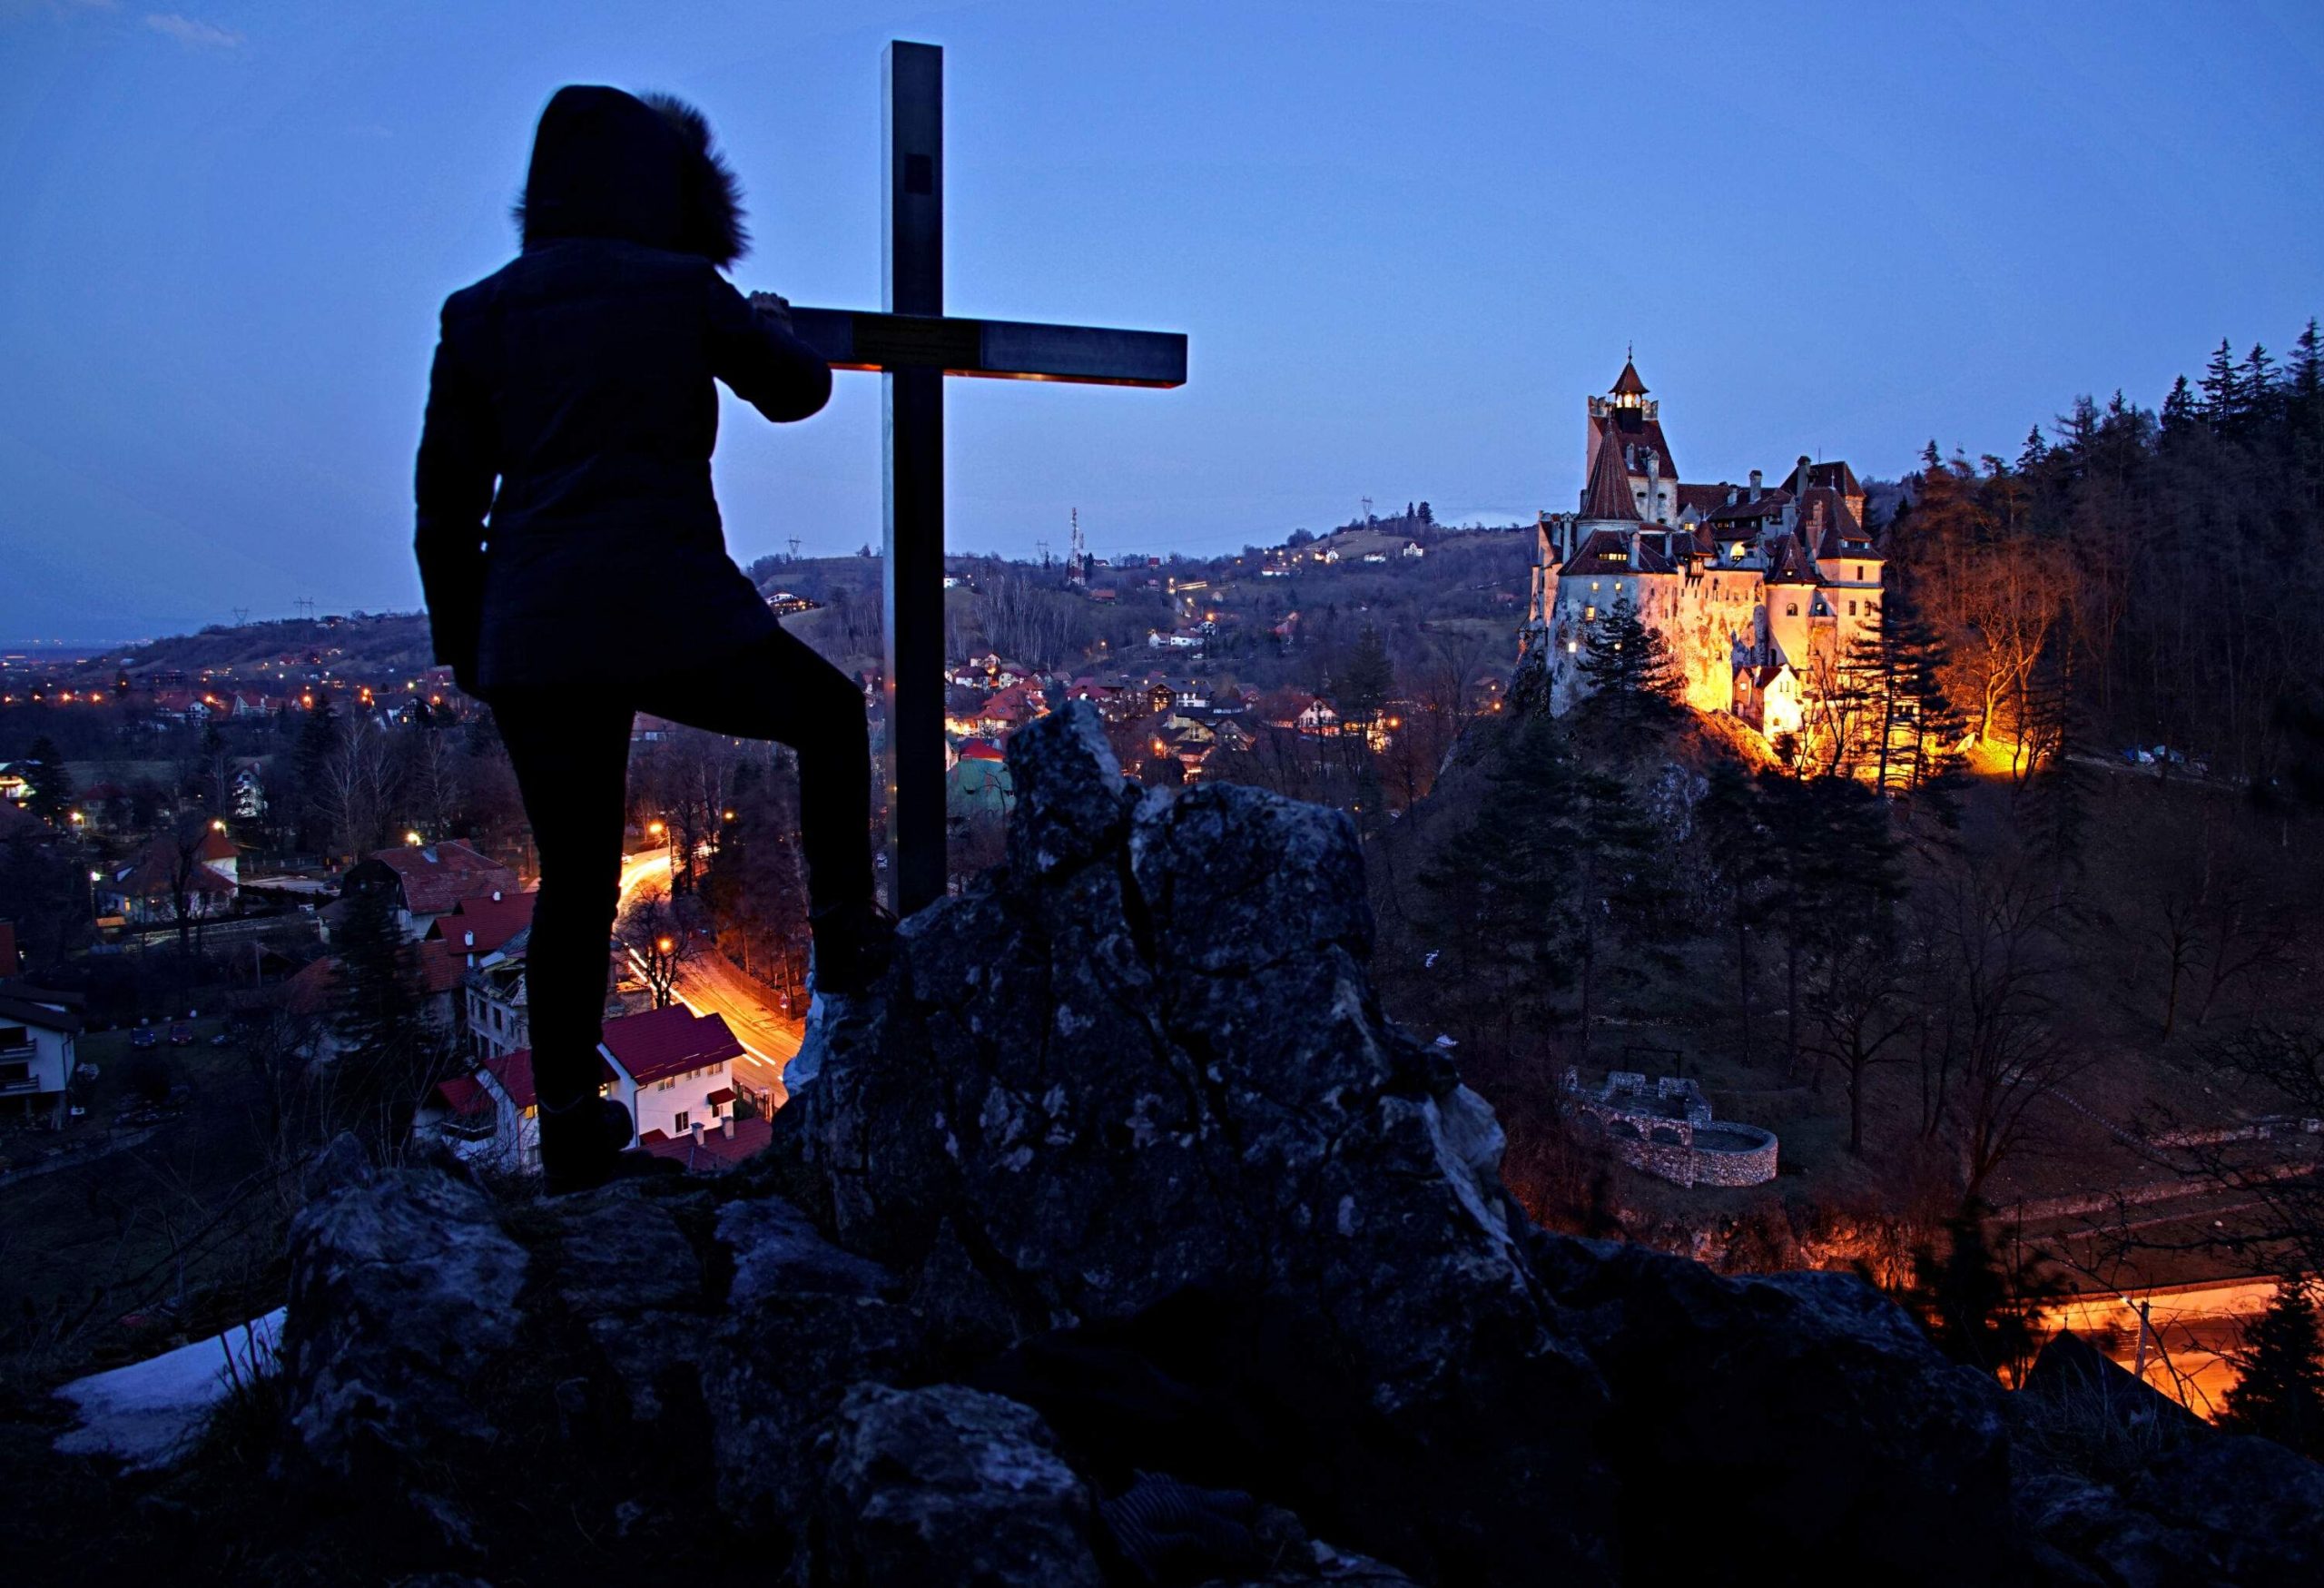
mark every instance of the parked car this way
{"type": "Point", "coordinates": [143, 1037]}
{"type": "Point", "coordinates": [180, 1035]}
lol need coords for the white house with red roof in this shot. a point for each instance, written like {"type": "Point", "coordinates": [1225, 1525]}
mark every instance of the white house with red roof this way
{"type": "Point", "coordinates": [672, 1069]}
{"type": "Point", "coordinates": [675, 1069]}
{"type": "Point", "coordinates": [1757, 590]}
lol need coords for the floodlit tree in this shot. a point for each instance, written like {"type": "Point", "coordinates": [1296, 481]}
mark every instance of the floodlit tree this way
{"type": "Point", "coordinates": [659, 945]}
{"type": "Point", "coordinates": [1634, 685]}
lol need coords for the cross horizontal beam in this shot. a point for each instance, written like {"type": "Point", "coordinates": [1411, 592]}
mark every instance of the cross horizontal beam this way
{"type": "Point", "coordinates": [999, 349]}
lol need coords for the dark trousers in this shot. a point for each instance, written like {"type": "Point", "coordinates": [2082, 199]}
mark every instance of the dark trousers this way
{"type": "Point", "coordinates": [570, 747]}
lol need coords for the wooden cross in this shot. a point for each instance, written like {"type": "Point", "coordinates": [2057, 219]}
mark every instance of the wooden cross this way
{"type": "Point", "coordinates": [915, 345]}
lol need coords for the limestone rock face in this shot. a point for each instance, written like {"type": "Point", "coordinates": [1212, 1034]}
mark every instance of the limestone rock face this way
{"type": "Point", "coordinates": [951, 1488]}
{"type": "Point", "coordinates": [1134, 1074]}
{"type": "Point", "coordinates": [1119, 1227]}
{"type": "Point", "coordinates": [401, 1284]}
{"type": "Point", "coordinates": [1802, 1409]}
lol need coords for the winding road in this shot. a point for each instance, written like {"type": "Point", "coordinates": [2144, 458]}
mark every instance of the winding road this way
{"type": "Point", "coordinates": [709, 983]}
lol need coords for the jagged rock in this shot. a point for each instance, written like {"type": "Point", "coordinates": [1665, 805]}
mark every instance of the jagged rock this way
{"type": "Point", "coordinates": [1123, 1160]}
{"type": "Point", "coordinates": [1803, 1410]}
{"type": "Point", "coordinates": [2255, 1509]}
{"type": "Point", "coordinates": [2082, 1531]}
{"type": "Point", "coordinates": [1071, 801]}
{"type": "Point", "coordinates": [2072, 1378]}
{"type": "Point", "coordinates": [947, 1487]}
{"type": "Point", "coordinates": [402, 1289]}
{"type": "Point", "coordinates": [803, 1321]}
{"type": "Point", "coordinates": [1145, 1064]}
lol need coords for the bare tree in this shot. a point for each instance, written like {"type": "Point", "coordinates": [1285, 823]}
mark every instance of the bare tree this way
{"type": "Point", "coordinates": [659, 945]}
{"type": "Point", "coordinates": [1859, 1020]}
{"type": "Point", "coordinates": [357, 786]}
{"type": "Point", "coordinates": [1996, 920]}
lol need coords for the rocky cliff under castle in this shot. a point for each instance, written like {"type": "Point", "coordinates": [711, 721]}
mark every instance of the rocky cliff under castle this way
{"type": "Point", "coordinates": [1122, 1240]}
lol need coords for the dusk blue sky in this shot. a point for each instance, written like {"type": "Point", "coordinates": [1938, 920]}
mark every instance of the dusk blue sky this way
{"type": "Point", "coordinates": [1405, 240]}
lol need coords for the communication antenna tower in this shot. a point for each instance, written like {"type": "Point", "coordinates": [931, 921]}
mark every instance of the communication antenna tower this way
{"type": "Point", "coordinates": [1367, 509]}
{"type": "Point", "coordinates": [794, 548]}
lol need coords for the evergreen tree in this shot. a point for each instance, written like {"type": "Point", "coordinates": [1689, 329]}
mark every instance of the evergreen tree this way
{"type": "Point", "coordinates": [51, 794]}
{"type": "Point", "coordinates": [2180, 412]}
{"type": "Point", "coordinates": [1368, 681]}
{"type": "Point", "coordinates": [2279, 1394]}
{"type": "Point", "coordinates": [1979, 1309]}
{"type": "Point", "coordinates": [1634, 685]}
{"type": "Point", "coordinates": [2223, 389]}
{"type": "Point", "coordinates": [317, 737]}
{"type": "Point", "coordinates": [391, 1051]}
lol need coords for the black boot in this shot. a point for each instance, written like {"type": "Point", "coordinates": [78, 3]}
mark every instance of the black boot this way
{"type": "Point", "coordinates": [583, 1145]}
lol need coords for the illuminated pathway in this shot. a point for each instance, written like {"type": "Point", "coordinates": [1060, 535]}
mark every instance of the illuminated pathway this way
{"type": "Point", "coordinates": [708, 984]}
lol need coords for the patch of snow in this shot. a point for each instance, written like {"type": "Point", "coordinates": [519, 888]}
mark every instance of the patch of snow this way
{"type": "Point", "coordinates": [147, 1413]}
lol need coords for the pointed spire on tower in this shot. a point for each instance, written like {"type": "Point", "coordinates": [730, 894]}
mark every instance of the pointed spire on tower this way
{"type": "Point", "coordinates": [1607, 494]}
{"type": "Point", "coordinates": [1628, 384]}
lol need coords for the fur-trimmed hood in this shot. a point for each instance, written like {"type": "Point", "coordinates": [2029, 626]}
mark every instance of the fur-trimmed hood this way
{"type": "Point", "coordinates": [607, 164]}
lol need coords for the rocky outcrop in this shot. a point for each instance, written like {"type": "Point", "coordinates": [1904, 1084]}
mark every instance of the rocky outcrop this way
{"type": "Point", "coordinates": [1122, 1240]}
{"type": "Point", "coordinates": [2118, 1485]}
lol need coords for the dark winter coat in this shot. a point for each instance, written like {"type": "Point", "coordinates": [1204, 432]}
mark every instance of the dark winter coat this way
{"type": "Point", "coordinates": [578, 376]}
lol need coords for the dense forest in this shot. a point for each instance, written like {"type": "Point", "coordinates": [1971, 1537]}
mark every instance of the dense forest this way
{"type": "Point", "coordinates": [2136, 578]}
{"type": "Point", "coordinates": [2050, 961]}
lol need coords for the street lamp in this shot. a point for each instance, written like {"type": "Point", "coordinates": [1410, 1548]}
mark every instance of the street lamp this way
{"type": "Point", "coordinates": [412, 839]}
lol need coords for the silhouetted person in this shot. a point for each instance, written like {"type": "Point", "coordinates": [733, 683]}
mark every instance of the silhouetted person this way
{"type": "Point", "coordinates": [592, 581]}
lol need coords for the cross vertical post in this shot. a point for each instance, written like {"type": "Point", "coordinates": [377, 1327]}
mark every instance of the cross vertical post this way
{"type": "Point", "coordinates": [914, 346]}
{"type": "Point", "coordinates": [913, 564]}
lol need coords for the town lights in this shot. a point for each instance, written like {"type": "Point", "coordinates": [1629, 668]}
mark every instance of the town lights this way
{"type": "Point", "coordinates": [412, 839]}
{"type": "Point", "coordinates": [725, 815]}
{"type": "Point", "coordinates": [664, 944]}
{"type": "Point", "coordinates": [78, 818]}
{"type": "Point", "coordinates": [216, 826]}
{"type": "Point", "coordinates": [654, 829]}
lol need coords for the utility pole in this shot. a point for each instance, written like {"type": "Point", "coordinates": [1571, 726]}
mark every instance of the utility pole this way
{"type": "Point", "coordinates": [794, 548]}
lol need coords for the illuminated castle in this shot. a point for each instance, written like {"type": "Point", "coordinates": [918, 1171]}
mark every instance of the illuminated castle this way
{"type": "Point", "coordinates": [1756, 589]}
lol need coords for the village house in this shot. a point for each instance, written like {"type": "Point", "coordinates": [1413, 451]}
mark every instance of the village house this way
{"type": "Point", "coordinates": [1757, 590]}
{"type": "Point", "coordinates": [486, 936]}
{"type": "Point", "coordinates": [145, 892]}
{"type": "Point", "coordinates": [672, 1069]}
{"type": "Point", "coordinates": [429, 881]}
{"type": "Point", "coordinates": [38, 1031]}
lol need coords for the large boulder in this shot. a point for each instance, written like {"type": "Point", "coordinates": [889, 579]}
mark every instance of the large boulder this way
{"type": "Point", "coordinates": [403, 1289]}
{"type": "Point", "coordinates": [1141, 1069]}
{"type": "Point", "coordinates": [1803, 1412]}
{"type": "Point", "coordinates": [947, 1487]}
{"type": "Point", "coordinates": [802, 1322]}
